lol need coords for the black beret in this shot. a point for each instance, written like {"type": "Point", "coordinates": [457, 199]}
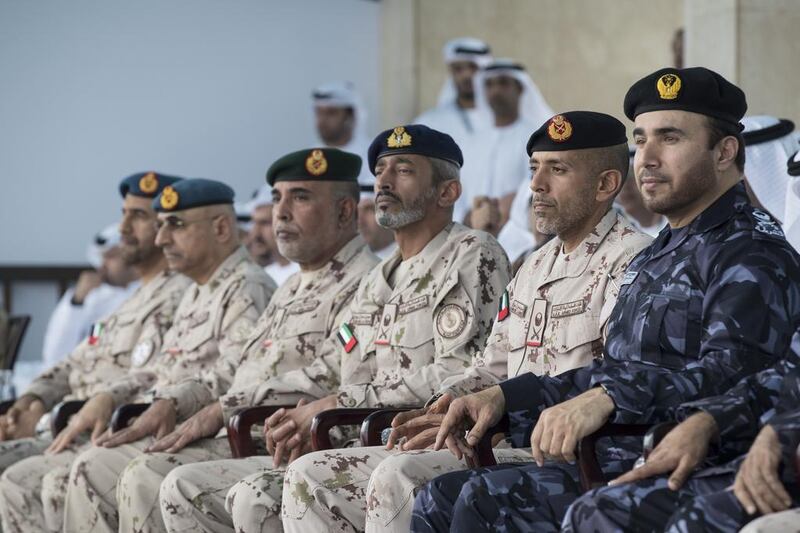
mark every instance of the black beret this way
{"type": "Point", "coordinates": [145, 184]}
{"type": "Point", "coordinates": [695, 89]}
{"type": "Point", "coordinates": [315, 164]}
{"type": "Point", "coordinates": [414, 139]}
{"type": "Point", "coordinates": [576, 130]}
{"type": "Point", "coordinates": [194, 192]}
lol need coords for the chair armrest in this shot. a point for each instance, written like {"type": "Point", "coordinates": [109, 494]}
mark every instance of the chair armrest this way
{"type": "Point", "coordinates": [324, 421]}
{"type": "Point", "coordinates": [124, 413]}
{"type": "Point", "coordinates": [239, 438]}
{"type": "Point", "coordinates": [61, 414]}
{"type": "Point", "coordinates": [374, 424]}
{"type": "Point", "coordinates": [484, 453]}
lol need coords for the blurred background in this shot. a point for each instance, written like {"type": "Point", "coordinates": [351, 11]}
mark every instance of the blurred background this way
{"type": "Point", "coordinates": [94, 90]}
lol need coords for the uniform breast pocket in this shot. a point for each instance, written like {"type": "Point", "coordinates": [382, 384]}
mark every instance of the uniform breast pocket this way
{"type": "Point", "coordinates": [125, 336]}
{"type": "Point", "coordinates": [302, 335]}
{"type": "Point", "coordinates": [198, 342]}
{"type": "Point", "coordinates": [576, 341]}
{"type": "Point", "coordinates": [666, 338]}
{"type": "Point", "coordinates": [413, 330]}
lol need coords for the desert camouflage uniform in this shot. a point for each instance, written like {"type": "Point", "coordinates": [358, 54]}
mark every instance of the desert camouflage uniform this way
{"type": "Point", "coordinates": [415, 324]}
{"type": "Point", "coordinates": [129, 336]}
{"type": "Point", "coordinates": [300, 316]}
{"type": "Point", "coordinates": [197, 360]}
{"type": "Point", "coordinates": [702, 307]}
{"type": "Point", "coordinates": [557, 306]}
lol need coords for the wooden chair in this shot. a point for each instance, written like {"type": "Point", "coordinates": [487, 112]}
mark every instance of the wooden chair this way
{"type": "Point", "coordinates": [17, 326]}
{"type": "Point", "coordinates": [240, 439]}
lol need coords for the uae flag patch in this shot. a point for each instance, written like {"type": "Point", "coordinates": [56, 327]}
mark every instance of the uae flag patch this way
{"type": "Point", "coordinates": [347, 338]}
{"type": "Point", "coordinates": [97, 331]}
{"type": "Point", "coordinates": [503, 311]}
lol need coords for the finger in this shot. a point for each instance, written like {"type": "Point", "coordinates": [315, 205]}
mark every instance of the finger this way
{"type": "Point", "coordinates": [296, 452]}
{"type": "Point", "coordinates": [270, 442]}
{"type": "Point", "coordinates": [420, 441]}
{"type": "Point", "coordinates": [770, 498]}
{"type": "Point", "coordinates": [123, 437]}
{"type": "Point", "coordinates": [568, 448]}
{"type": "Point", "coordinates": [440, 406]}
{"type": "Point", "coordinates": [285, 431]}
{"type": "Point", "coordinates": [277, 459]}
{"type": "Point", "coordinates": [273, 420]}
{"type": "Point", "coordinates": [394, 436]}
{"type": "Point", "coordinates": [163, 443]}
{"type": "Point", "coordinates": [301, 402]}
{"type": "Point", "coordinates": [453, 446]}
{"type": "Point", "coordinates": [425, 421]}
{"type": "Point", "coordinates": [184, 440]}
{"type": "Point", "coordinates": [536, 447]}
{"type": "Point", "coordinates": [481, 426]}
{"type": "Point", "coordinates": [451, 420]}
{"type": "Point", "coordinates": [681, 473]}
{"type": "Point", "coordinates": [651, 468]}
{"type": "Point", "coordinates": [294, 442]}
{"type": "Point", "coordinates": [556, 442]}
{"type": "Point", "coordinates": [402, 418]}
{"type": "Point", "coordinates": [63, 440]}
{"type": "Point", "coordinates": [99, 428]}
{"type": "Point", "coordinates": [12, 414]}
{"type": "Point", "coordinates": [163, 430]}
{"type": "Point", "coordinates": [743, 495]}
{"type": "Point", "coordinates": [783, 498]}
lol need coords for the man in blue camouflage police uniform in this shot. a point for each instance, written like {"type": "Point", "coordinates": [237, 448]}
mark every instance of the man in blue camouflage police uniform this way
{"type": "Point", "coordinates": [715, 298]}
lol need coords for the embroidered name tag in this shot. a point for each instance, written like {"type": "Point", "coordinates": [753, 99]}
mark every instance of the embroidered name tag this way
{"type": "Point", "coordinates": [518, 308]}
{"type": "Point", "coordinates": [568, 309]}
{"type": "Point", "coordinates": [303, 307]}
{"type": "Point", "coordinates": [362, 319]}
{"type": "Point", "coordinates": [629, 277]}
{"type": "Point", "coordinates": [421, 302]}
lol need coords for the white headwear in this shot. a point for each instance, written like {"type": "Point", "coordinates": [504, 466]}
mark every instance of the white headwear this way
{"type": "Point", "coordinates": [532, 105]}
{"type": "Point", "coordinates": [462, 49]}
{"type": "Point", "coordinates": [343, 94]}
{"type": "Point", "coordinates": [769, 142]}
{"type": "Point", "coordinates": [102, 242]}
{"type": "Point", "coordinates": [791, 222]}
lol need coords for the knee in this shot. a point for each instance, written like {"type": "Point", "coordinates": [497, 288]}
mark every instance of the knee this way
{"type": "Point", "coordinates": [174, 492]}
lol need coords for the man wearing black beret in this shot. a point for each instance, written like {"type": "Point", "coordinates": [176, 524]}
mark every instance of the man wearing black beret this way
{"type": "Point", "coordinates": [417, 318]}
{"type": "Point", "coordinates": [715, 298]}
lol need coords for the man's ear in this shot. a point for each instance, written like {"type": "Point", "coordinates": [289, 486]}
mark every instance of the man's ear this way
{"type": "Point", "coordinates": [608, 184]}
{"type": "Point", "coordinates": [449, 193]}
{"type": "Point", "coordinates": [223, 228]}
{"type": "Point", "coordinates": [348, 210]}
{"type": "Point", "coordinates": [728, 147]}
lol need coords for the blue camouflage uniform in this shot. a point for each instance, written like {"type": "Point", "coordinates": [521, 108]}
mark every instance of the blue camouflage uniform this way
{"type": "Point", "coordinates": [702, 307]}
{"type": "Point", "coordinates": [703, 503]}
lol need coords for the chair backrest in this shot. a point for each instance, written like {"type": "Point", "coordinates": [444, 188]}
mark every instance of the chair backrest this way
{"type": "Point", "coordinates": [17, 326]}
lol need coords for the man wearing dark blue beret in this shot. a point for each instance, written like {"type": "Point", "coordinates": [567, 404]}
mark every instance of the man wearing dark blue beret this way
{"type": "Point", "coordinates": [198, 234]}
{"type": "Point", "coordinates": [715, 298]}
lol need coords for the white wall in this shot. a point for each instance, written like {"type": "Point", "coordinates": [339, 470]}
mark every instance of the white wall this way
{"type": "Point", "coordinates": [93, 90]}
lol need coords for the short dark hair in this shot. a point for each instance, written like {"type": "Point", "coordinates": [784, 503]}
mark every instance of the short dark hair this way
{"type": "Point", "coordinates": [615, 157]}
{"type": "Point", "coordinates": [718, 130]}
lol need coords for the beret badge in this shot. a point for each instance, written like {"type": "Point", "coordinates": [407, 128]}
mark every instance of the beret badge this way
{"type": "Point", "coordinates": [560, 129]}
{"type": "Point", "coordinates": [169, 198]}
{"type": "Point", "coordinates": [149, 183]}
{"type": "Point", "coordinates": [399, 138]}
{"type": "Point", "coordinates": [668, 86]}
{"type": "Point", "coordinates": [316, 164]}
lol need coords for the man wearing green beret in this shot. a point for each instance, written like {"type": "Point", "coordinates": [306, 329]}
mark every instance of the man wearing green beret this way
{"type": "Point", "coordinates": [416, 319]}
{"type": "Point", "coordinates": [125, 338]}
{"type": "Point", "coordinates": [195, 363]}
{"type": "Point", "coordinates": [315, 198]}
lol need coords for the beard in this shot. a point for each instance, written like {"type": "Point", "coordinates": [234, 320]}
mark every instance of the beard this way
{"type": "Point", "coordinates": [565, 216]}
{"type": "Point", "coordinates": [699, 179]}
{"type": "Point", "coordinates": [408, 212]}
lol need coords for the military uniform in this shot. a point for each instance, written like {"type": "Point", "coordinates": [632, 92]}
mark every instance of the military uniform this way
{"type": "Point", "coordinates": [300, 316]}
{"type": "Point", "coordinates": [407, 358]}
{"type": "Point", "coordinates": [134, 330]}
{"type": "Point", "coordinates": [704, 306]}
{"type": "Point", "coordinates": [705, 502]}
{"type": "Point", "coordinates": [550, 320]}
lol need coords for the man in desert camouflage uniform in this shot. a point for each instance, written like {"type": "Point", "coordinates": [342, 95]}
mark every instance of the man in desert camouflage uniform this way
{"type": "Point", "coordinates": [197, 232]}
{"type": "Point", "coordinates": [715, 298]}
{"type": "Point", "coordinates": [315, 201]}
{"type": "Point", "coordinates": [550, 320]}
{"type": "Point", "coordinates": [123, 339]}
{"type": "Point", "coordinates": [415, 320]}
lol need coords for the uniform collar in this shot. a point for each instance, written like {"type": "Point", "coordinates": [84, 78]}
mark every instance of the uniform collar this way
{"type": "Point", "coordinates": [722, 210]}
{"type": "Point", "coordinates": [336, 265]}
{"type": "Point", "coordinates": [225, 269]}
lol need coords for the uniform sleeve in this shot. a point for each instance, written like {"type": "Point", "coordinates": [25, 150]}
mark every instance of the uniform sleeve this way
{"type": "Point", "coordinates": [52, 385]}
{"type": "Point", "coordinates": [488, 368]}
{"type": "Point", "coordinates": [749, 314]}
{"type": "Point", "coordinates": [243, 307]}
{"type": "Point", "coordinates": [482, 276]}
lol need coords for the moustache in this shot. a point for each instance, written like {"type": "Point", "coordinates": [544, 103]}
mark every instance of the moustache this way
{"type": "Point", "coordinates": [388, 194]}
{"type": "Point", "coordinates": [542, 200]}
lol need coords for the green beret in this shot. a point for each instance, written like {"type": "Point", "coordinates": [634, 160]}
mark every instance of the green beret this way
{"type": "Point", "coordinates": [315, 164]}
{"type": "Point", "coordinates": [189, 193]}
{"type": "Point", "coordinates": [695, 89]}
{"type": "Point", "coordinates": [145, 184]}
{"type": "Point", "coordinates": [577, 130]}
